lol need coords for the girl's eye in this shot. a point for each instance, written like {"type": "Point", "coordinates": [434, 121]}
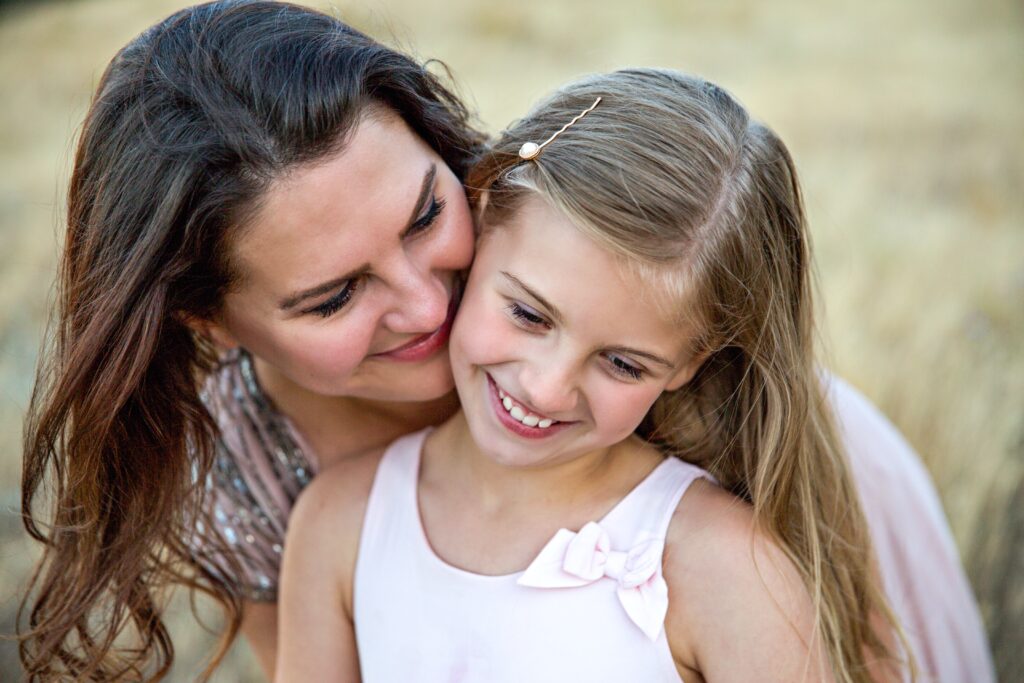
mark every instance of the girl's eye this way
{"type": "Point", "coordinates": [526, 315]}
{"type": "Point", "coordinates": [336, 302]}
{"type": "Point", "coordinates": [624, 368]}
{"type": "Point", "coordinates": [427, 219]}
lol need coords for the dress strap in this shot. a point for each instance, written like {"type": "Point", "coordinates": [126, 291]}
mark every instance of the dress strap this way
{"type": "Point", "coordinates": [647, 510]}
{"type": "Point", "coordinates": [398, 470]}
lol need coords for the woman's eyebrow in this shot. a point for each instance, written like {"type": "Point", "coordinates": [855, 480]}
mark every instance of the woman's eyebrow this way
{"type": "Point", "coordinates": [296, 298]}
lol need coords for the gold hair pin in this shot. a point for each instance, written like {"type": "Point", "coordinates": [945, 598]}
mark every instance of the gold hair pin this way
{"type": "Point", "coordinates": [530, 150]}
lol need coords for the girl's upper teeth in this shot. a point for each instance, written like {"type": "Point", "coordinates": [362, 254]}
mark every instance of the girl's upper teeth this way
{"type": "Point", "coordinates": [528, 419]}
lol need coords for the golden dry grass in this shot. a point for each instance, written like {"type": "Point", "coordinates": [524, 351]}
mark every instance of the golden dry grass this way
{"type": "Point", "coordinates": [906, 119]}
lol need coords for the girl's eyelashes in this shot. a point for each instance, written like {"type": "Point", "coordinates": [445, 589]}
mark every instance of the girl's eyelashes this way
{"type": "Point", "coordinates": [428, 218]}
{"type": "Point", "coordinates": [526, 315]}
{"type": "Point", "coordinates": [625, 368]}
{"type": "Point", "coordinates": [336, 302]}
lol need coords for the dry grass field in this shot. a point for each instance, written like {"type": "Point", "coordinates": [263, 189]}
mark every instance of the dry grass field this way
{"type": "Point", "coordinates": [905, 118]}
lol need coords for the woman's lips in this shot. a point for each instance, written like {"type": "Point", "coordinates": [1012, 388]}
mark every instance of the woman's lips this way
{"type": "Point", "coordinates": [514, 425]}
{"type": "Point", "coordinates": [425, 345]}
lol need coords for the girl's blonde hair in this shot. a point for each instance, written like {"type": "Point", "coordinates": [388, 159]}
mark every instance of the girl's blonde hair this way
{"type": "Point", "coordinates": [670, 172]}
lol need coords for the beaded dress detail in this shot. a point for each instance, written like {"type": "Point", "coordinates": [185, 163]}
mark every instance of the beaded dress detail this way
{"type": "Point", "coordinates": [261, 465]}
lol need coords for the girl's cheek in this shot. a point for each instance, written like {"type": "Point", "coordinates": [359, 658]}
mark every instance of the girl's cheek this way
{"type": "Point", "coordinates": [621, 409]}
{"type": "Point", "coordinates": [480, 338]}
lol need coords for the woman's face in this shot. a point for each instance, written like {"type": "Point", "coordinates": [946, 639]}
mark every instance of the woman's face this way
{"type": "Point", "coordinates": [558, 350]}
{"type": "Point", "coordinates": [349, 269]}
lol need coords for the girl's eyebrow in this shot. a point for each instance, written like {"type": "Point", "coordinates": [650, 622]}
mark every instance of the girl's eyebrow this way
{"type": "Point", "coordinates": [295, 299]}
{"type": "Point", "coordinates": [554, 312]}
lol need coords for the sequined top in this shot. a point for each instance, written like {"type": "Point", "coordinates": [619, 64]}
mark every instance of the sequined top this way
{"type": "Point", "coordinates": [262, 464]}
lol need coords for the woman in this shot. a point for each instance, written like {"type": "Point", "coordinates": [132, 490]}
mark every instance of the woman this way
{"type": "Point", "coordinates": [251, 176]}
{"type": "Point", "coordinates": [257, 177]}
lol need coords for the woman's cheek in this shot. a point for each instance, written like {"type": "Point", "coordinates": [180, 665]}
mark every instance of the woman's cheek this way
{"type": "Point", "coordinates": [327, 358]}
{"type": "Point", "coordinates": [459, 246]}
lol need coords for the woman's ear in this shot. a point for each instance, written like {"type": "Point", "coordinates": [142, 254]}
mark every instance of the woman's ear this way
{"type": "Point", "coordinates": [213, 331]}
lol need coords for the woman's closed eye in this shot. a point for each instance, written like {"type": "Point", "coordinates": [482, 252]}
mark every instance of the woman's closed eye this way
{"type": "Point", "coordinates": [336, 302]}
{"type": "Point", "coordinates": [429, 217]}
{"type": "Point", "coordinates": [344, 296]}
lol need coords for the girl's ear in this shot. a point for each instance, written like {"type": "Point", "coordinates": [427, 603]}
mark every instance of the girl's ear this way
{"type": "Point", "coordinates": [215, 332]}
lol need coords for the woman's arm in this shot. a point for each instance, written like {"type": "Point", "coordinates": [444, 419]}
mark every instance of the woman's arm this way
{"type": "Point", "coordinates": [738, 609]}
{"type": "Point", "coordinates": [316, 637]}
{"type": "Point", "coordinates": [259, 626]}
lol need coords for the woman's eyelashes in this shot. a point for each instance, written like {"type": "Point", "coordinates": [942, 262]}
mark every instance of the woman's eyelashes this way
{"type": "Point", "coordinates": [336, 302]}
{"type": "Point", "coordinates": [427, 219]}
{"type": "Point", "coordinates": [341, 299]}
{"type": "Point", "coordinates": [534, 321]}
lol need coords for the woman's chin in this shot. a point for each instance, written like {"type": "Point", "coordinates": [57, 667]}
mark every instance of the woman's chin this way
{"type": "Point", "coordinates": [410, 385]}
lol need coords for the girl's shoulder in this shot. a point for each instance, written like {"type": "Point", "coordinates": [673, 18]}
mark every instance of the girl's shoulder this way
{"type": "Point", "coordinates": [711, 529]}
{"type": "Point", "coordinates": [322, 541]}
{"type": "Point", "coordinates": [335, 502]}
{"type": "Point", "coordinates": [730, 582]}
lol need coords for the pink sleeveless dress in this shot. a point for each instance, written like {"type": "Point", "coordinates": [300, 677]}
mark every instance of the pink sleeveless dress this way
{"type": "Point", "coordinates": [590, 607]}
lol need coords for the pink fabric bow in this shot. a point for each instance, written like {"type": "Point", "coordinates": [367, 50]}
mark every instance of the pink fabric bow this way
{"type": "Point", "coordinates": [572, 559]}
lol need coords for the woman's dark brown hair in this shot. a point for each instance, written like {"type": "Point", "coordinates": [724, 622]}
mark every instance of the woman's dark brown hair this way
{"type": "Point", "coordinates": [190, 124]}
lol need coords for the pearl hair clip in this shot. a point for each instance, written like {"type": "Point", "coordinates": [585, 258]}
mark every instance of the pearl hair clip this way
{"type": "Point", "coordinates": [530, 150]}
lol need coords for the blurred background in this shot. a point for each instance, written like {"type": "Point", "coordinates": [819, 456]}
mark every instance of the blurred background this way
{"type": "Point", "coordinates": [906, 120]}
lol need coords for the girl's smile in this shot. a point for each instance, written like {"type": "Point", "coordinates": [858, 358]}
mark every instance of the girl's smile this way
{"type": "Point", "coordinates": [519, 418]}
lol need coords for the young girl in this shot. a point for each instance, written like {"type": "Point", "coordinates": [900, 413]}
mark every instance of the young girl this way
{"type": "Point", "coordinates": [643, 483]}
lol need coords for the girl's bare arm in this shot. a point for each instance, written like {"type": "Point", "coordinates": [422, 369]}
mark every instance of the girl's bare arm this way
{"type": "Point", "coordinates": [316, 637]}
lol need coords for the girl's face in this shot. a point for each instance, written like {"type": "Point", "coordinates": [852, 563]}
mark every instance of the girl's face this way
{"type": "Point", "coordinates": [558, 350]}
{"type": "Point", "coordinates": [350, 269]}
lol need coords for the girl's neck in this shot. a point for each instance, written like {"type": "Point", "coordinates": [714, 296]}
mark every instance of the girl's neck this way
{"type": "Point", "coordinates": [337, 427]}
{"type": "Point", "coordinates": [492, 519]}
{"type": "Point", "coordinates": [452, 454]}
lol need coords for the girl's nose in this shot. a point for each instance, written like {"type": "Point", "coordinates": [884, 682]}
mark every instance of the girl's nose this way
{"type": "Point", "coordinates": [549, 388]}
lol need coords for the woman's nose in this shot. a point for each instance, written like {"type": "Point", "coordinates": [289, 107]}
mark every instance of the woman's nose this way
{"type": "Point", "coordinates": [419, 301]}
